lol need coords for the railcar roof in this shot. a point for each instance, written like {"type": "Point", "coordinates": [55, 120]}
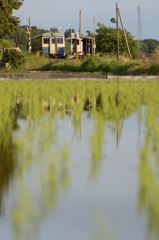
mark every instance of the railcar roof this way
{"type": "Point", "coordinates": [49, 34]}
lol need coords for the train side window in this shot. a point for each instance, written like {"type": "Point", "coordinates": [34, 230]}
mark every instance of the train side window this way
{"type": "Point", "coordinates": [46, 40]}
{"type": "Point", "coordinates": [60, 40]}
{"type": "Point", "coordinates": [53, 41]}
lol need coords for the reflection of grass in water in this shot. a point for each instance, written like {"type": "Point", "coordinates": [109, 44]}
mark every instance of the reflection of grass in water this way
{"type": "Point", "coordinates": [97, 143]}
{"type": "Point", "coordinates": [102, 231]}
{"type": "Point", "coordinates": [46, 166]}
{"type": "Point", "coordinates": [149, 173]}
{"type": "Point", "coordinates": [42, 173]}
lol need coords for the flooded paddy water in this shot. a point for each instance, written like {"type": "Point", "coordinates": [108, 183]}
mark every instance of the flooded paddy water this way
{"type": "Point", "coordinates": [79, 160]}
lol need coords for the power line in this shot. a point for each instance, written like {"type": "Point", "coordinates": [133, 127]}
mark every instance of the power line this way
{"type": "Point", "coordinates": [103, 19]}
{"type": "Point", "coordinates": [142, 20]}
{"type": "Point", "coordinates": [87, 21]}
{"type": "Point", "coordinates": [90, 26]}
{"type": "Point", "coordinates": [21, 16]}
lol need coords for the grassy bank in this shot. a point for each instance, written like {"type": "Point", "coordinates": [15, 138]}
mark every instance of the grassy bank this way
{"type": "Point", "coordinates": [109, 66]}
{"type": "Point", "coordinates": [92, 64]}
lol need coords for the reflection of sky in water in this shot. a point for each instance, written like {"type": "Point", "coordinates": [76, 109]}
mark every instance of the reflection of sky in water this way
{"type": "Point", "coordinates": [111, 199]}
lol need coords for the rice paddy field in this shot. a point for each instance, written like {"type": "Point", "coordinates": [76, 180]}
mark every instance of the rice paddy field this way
{"type": "Point", "coordinates": [79, 160]}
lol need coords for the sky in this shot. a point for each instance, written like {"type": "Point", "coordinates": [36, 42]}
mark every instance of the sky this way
{"type": "Point", "coordinates": [54, 13]}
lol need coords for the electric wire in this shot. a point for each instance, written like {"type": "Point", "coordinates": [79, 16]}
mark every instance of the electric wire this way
{"type": "Point", "coordinates": [88, 20]}
{"type": "Point", "coordinates": [142, 20]}
{"type": "Point", "coordinates": [21, 16]}
{"type": "Point", "coordinates": [90, 26]}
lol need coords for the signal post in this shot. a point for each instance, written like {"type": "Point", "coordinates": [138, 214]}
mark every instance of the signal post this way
{"type": "Point", "coordinates": [29, 35]}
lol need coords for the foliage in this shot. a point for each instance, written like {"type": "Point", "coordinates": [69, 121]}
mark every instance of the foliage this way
{"type": "Point", "coordinates": [8, 23]}
{"type": "Point", "coordinates": [67, 33]}
{"type": "Point", "coordinates": [91, 64]}
{"type": "Point", "coordinates": [155, 54]}
{"type": "Point", "coordinates": [54, 29]}
{"type": "Point", "coordinates": [106, 41]}
{"type": "Point", "coordinates": [13, 57]}
{"type": "Point", "coordinates": [149, 45]}
{"type": "Point", "coordinates": [22, 39]}
{"type": "Point", "coordinates": [67, 47]}
{"type": "Point", "coordinates": [5, 43]}
{"type": "Point", "coordinates": [96, 64]}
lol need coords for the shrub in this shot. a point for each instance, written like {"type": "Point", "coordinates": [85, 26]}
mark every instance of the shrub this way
{"type": "Point", "coordinates": [13, 57]}
{"type": "Point", "coordinates": [5, 43]}
{"type": "Point", "coordinates": [91, 64]}
{"type": "Point", "coordinates": [121, 67]}
{"type": "Point", "coordinates": [104, 67]}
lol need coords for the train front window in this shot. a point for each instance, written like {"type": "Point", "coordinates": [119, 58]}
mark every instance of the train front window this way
{"type": "Point", "coordinates": [46, 40]}
{"type": "Point", "coordinates": [53, 41]}
{"type": "Point", "coordinates": [60, 40]}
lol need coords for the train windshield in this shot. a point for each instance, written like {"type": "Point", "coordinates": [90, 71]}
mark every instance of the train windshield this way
{"type": "Point", "coordinates": [46, 40]}
{"type": "Point", "coordinates": [60, 40]}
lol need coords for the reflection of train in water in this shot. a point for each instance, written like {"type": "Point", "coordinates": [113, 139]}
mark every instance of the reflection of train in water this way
{"type": "Point", "coordinates": [51, 43]}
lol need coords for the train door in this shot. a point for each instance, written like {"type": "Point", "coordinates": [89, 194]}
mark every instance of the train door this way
{"type": "Point", "coordinates": [46, 45]}
{"type": "Point", "coordinates": [52, 46]}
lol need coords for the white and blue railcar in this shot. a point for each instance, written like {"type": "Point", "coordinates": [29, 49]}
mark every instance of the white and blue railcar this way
{"type": "Point", "coordinates": [51, 43]}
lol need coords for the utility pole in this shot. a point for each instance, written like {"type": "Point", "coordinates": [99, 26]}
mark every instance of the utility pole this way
{"type": "Point", "coordinates": [80, 23]}
{"type": "Point", "coordinates": [117, 32]}
{"type": "Point", "coordinates": [76, 44]}
{"type": "Point", "coordinates": [89, 45]}
{"type": "Point", "coordinates": [70, 24]}
{"type": "Point", "coordinates": [16, 40]}
{"type": "Point", "coordinates": [125, 35]}
{"type": "Point", "coordinates": [86, 45]}
{"type": "Point", "coordinates": [94, 36]}
{"type": "Point", "coordinates": [29, 36]}
{"type": "Point", "coordinates": [139, 29]}
{"type": "Point", "coordinates": [71, 39]}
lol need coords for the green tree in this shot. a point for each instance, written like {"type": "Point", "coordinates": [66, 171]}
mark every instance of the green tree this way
{"type": "Point", "coordinates": [8, 23]}
{"type": "Point", "coordinates": [149, 45]}
{"type": "Point", "coordinates": [22, 39]}
{"type": "Point", "coordinates": [5, 43]}
{"type": "Point", "coordinates": [13, 57]}
{"type": "Point", "coordinates": [67, 34]}
{"type": "Point", "coordinates": [106, 41]}
{"type": "Point", "coordinates": [54, 30]}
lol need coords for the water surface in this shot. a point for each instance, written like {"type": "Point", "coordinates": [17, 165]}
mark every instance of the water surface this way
{"type": "Point", "coordinates": [79, 160]}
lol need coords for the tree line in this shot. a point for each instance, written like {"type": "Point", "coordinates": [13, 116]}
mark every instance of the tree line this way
{"type": "Point", "coordinates": [11, 34]}
{"type": "Point", "coordinates": [20, 36]}
{"type": "Point", "coordinates": [105, 40]}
